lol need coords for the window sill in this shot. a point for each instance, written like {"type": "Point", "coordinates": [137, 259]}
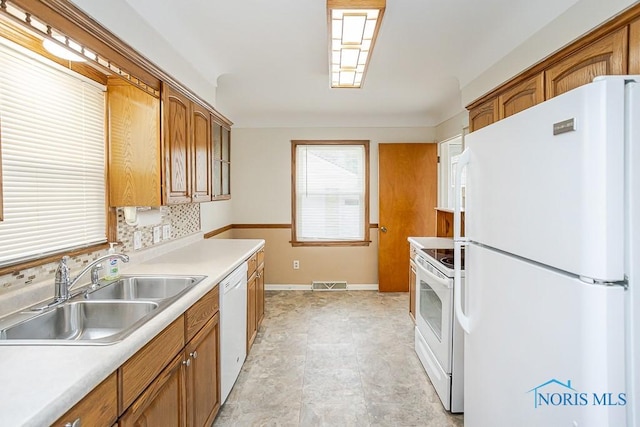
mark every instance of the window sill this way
{"type": "Point", "coordinates": [332, 243]}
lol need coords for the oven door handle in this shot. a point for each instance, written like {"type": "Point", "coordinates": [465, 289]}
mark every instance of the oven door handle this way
{"type": "Point", "coordinates": [444, 283]}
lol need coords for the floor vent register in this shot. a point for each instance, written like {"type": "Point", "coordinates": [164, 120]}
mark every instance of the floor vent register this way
{"type": "Point", "coordinates": [329, 286]}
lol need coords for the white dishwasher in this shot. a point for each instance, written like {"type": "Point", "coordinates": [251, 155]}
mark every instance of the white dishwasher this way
{"type": "Point", "coordinates": [233, 327]}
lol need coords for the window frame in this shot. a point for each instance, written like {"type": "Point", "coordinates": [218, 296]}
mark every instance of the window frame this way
{"type": "Point", "coordinates": [29, 42]}
{"type": "Point", "coordinates": [366, 220]}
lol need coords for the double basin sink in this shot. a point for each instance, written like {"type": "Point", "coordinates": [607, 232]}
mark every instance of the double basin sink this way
{"type": "Point", "coordinates": [102, 315]}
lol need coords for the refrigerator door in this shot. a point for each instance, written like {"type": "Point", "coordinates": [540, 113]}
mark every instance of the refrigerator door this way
{"type": "Point", "coordinates": [544, 348]}
{"type": "Point", "coordinates": [632, 251]}
{"type": "Point", "coordinates": [554, 199]}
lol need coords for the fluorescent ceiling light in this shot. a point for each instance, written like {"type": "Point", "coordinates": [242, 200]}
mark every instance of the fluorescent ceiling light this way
{"type": "Point", "coordinates": [56, 48]}
{"type": "Point", "coordinates": [353, 27]}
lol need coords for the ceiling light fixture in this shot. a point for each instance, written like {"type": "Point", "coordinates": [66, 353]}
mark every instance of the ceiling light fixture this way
{"type": "Point", "coordinates": [63, 47]}
{"type": "Point", "coordinates": [353, 28]}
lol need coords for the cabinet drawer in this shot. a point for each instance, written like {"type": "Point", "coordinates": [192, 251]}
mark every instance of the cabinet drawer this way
{"type": "Point", "coordinates": [200, 313]}
{"type": "Point", "coordinates": [138, 372]}
{"type": "Point", "coordinates": [252, 264]}
{"type": "Point", "coordinates": [98, 408]}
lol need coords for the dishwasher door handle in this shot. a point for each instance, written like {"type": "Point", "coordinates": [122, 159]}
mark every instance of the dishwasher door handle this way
{"type": "Point", "coordinates": [228, 287]}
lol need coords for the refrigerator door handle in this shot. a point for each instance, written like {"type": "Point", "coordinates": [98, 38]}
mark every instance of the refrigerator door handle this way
{"type": "Point", "coordinates": [458, 242]}
{"type": "Point", "coordinates": [463, 319]}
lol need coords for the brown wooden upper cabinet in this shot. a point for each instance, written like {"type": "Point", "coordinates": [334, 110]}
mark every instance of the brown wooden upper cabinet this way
{"type": "Point", "coordinates": [221, 138]}
{"type": "Point", "coordinates": [134, 145]}
{"type": "Point", "coordinates": [187, 149]}
{"type": "Point", "coordinates": [605, 56]}
{"type": "Point", "coordinates": [483, 114]}
{"type": "Point", "coordinates": [611, 49]}
{"type": "Point", "coordinates": [522, 96]}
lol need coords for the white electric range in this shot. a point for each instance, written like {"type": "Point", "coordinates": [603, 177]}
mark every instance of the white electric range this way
{"type": "Point", "coordinates": [438, 336]}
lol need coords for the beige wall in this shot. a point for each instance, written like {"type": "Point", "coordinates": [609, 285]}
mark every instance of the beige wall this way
{"type": "Point", "coordinates": [452, 127]}
{"type": "Point", "coordinates": [261, 167]}
{"type": "Point", "coordinates": [357, 265]}
{"type": "Point", "coordinates": [579, 19]}
{"type": "Point", "coordinates": [261, 194]}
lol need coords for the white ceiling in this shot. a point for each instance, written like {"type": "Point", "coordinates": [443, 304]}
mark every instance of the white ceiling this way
{"type": "Point", "coordinates": [269, 60]}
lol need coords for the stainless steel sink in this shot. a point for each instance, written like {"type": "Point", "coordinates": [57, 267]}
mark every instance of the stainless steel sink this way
{"type": "Point", "coordinates": [95, 322]}
{"type": "Point", "coordinates": [154, 288]}
{"type": "Point", "coordinates": [99, 316]}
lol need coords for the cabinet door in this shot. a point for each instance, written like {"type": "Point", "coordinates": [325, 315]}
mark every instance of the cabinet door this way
{"type": "Point", "coordinates": [163, 403]}
{"type": "Point", "coordinates": [483, 114]}
{"type": "Point", "coordinates": [201, 149]}
{"type": "Point", "coordinates": [634, 47]}
{"type": "Point", "coordinates": [259, 296]}
{"type": "Point", "coordinates": [177, 129]}
{"type": "Point", "coordinates": [522, 96]}
{"type": "Point", "coordinates": [134, 145]}
{"type": "Point", "coordinates": [252, 327]}
{"type": "Point", "coordinates": [203, 375]}
{"type": "Point", "coordinates": [605, 56]}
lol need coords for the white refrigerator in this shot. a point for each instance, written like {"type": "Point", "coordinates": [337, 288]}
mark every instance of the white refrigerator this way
{"type": "Point", "coordinates": [549, 303]}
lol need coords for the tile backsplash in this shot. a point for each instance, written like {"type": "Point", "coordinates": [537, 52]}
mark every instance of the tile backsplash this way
{"type": "Point", "coordinates": [184, 220]}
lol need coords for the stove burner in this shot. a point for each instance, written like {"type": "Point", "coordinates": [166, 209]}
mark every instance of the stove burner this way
{"type": "Point", "coordinates": [444, 256]}
{"type": "Point", "coordinates": [447, 261]}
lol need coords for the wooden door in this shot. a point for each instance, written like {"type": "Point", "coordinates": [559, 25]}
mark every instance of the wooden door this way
{"type": "Point", "coordinates": [408, 193]}
{"type": "Point", "coordinates": [201, 120]}
{"type": "Point", "coordinates": [177, 129]}
{"type": "Point", "coordinates": [163, 403]}
{"type": "Point", "coordinates": [606, 56]}
{"type": "Point", "coordinates": [203, 375]}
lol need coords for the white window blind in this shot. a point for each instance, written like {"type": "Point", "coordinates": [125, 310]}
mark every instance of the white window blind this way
{"type": "Point", "coordinates": [53, 157]}
{"type": "Point", "coordinates": [330, 192]}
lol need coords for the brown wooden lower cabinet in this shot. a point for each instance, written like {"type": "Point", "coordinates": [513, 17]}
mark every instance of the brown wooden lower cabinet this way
{"type": "Point", "coordinates": [163, 403]}
{"type": "Point", "coordinates": [255, 295]}
{"type": "Point", "coordinates": [167, 382]}
{"type": "Point", "coordinates": [203, 376]}
{"type": "Point", "coordinates": [252, 325]}
{"type": "Point", "coordinates": [412, 286]}
{"type": "Point", "coordinates": [98, 408]}
{"type": "Point", "coordinates": [187, 392]}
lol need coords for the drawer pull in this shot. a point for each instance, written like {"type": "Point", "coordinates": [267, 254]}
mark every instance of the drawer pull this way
{"type": "Point", "coordinates": [187, 362]}
{"type": "Point", "coordinates": [75, 423]}
{"type": "Point", "coordinates": [194, 354]}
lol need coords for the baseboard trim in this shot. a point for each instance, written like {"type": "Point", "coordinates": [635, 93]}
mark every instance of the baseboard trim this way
{"type": "Point", "coordinates": [307, 287]}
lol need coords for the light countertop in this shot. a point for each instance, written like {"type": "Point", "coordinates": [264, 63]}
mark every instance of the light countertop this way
{"type": "Point", "coordinates": [431, 242]}
{"type": "Point", "coordinates": [41, 383]}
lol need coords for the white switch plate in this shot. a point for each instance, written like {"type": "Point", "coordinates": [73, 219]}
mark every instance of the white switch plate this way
{"type": "Point", "coordinates": [156, 234]}
{"type": "Point", "coordinates": [166, 231]}
{"type": "Point", "coordinates": [137, 240]}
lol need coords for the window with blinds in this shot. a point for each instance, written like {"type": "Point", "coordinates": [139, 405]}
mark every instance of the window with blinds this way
{"type": "Point", "coordinates": [53, 157]}
{"type": "Point", "coordinates": [330, 194]}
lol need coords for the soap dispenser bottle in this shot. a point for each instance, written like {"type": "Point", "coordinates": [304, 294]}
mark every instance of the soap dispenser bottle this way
{"type": "Point", "coordinates": [113, 269]}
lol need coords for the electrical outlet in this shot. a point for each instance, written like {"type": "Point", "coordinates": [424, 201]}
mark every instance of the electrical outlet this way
{"type": "Point", "coordinates": [166, 231]}
{"type": "Point", "coordinates": [296, 264]}
{"type": "Point", "coordinates": [137, 240]}
{"type": "Point", "coordinates": [156, 234]}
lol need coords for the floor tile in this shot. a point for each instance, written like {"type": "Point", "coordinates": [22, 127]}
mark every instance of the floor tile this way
{"type": "Point", "coordinates": [342, 358]}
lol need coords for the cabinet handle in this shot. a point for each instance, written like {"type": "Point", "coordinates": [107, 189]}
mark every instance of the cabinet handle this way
{"type": "Point", "coordinates": [194, 354]}
{"type": "Point", "coordinates": [75, 423]}
{"type": "Point", "coordinates": [187, 362]}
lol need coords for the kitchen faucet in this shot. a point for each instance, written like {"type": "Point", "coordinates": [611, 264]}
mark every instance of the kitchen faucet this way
{"type": "Point", "coordinates": [63, 281]}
